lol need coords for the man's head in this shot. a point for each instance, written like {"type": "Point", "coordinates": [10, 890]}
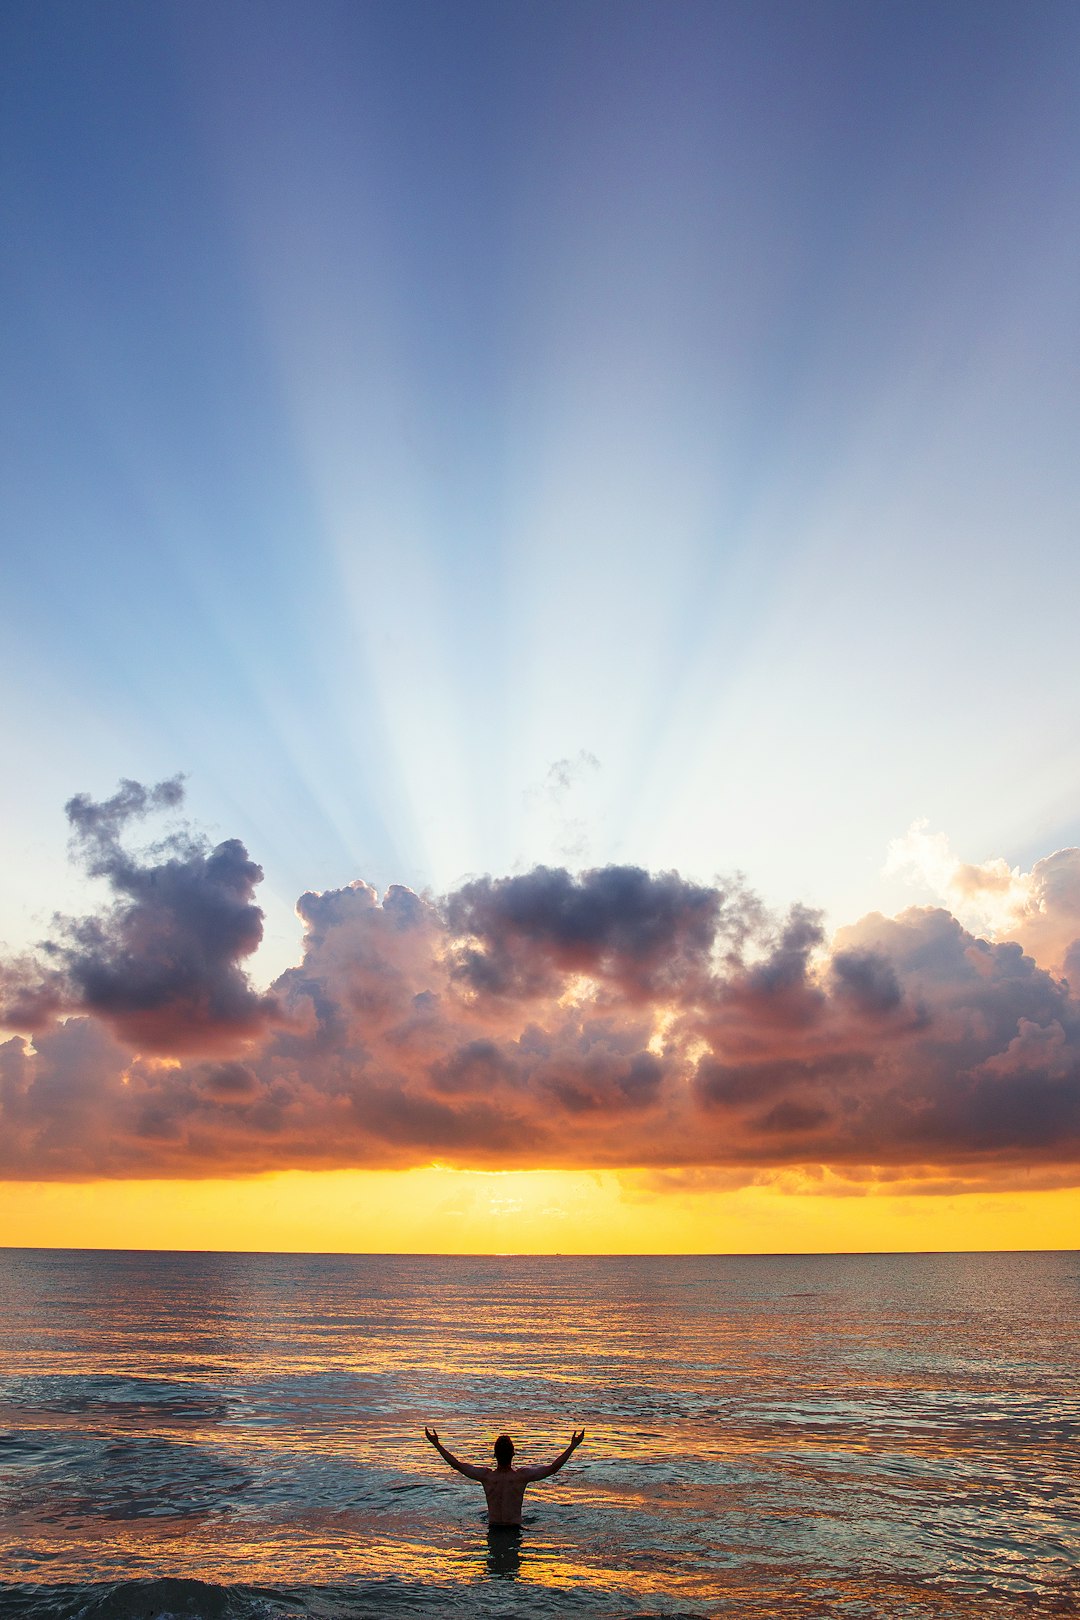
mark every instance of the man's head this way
{"type": "Point", "coordinates": [504, 1451]}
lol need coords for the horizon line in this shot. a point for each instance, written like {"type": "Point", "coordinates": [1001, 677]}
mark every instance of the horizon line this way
{"type": "Point", "coordinates": [527, 1254]}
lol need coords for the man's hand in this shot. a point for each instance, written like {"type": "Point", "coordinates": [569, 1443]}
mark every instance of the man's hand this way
{"type": "Point", "coordinates": [448, 1456]}
{"type": "Point", "coordinates": [576, 1437]}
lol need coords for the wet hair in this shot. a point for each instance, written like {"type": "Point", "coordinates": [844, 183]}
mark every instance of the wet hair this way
{"type": "Point", "coordinates": [504, 1449]}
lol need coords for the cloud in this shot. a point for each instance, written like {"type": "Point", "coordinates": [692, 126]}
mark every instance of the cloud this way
{"type": "Point", "coordinates": [1039, 909]}
{"type": "Point", "coordinates": [612, 1017]}
{"type": "Point", "coordinates": [565, 774]}
{"type": "Point", "coordinates": [560, 806]}
{"type": "Point", "coordinates": [161, 965]}
{"type": "Point", "coordinates": [644, 935]}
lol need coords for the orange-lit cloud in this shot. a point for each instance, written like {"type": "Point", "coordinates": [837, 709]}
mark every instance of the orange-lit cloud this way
{"type": "Point", "coordinates": [612, 1018]}
{"type": "Point", "coordinates": [1039, 909]}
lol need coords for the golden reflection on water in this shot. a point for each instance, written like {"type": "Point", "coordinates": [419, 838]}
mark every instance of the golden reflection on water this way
{"type": "Point", "coordinates": [313, 1552]}
{"type": "Point", "coordinates": [823, 1430]}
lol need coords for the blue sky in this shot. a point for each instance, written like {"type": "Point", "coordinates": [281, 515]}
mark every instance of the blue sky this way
{"type": "Point", "coordinates": [400, 400]}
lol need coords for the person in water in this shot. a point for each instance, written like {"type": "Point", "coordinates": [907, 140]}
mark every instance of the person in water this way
{"type": "Point", "coordinates": [504, 1485]}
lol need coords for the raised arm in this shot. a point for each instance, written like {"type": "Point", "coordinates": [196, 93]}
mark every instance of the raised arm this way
{"type": "Point", "coordinates": [448, 1456]}
{"type": "Point", "coordinates": [576, 1437]}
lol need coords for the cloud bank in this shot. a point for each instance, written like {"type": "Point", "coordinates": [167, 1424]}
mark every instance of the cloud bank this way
{"type": "Point", "coordinates": [612, 1017]}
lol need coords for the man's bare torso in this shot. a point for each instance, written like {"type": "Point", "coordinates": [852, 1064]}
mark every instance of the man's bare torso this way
{"type": "Point", "coordinates": [505, 1492]}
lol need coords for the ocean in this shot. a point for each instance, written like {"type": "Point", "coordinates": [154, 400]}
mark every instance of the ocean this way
{"type": "Point", "coordinates": [240, 1437]}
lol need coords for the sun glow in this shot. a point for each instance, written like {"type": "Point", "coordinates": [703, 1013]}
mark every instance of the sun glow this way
{"type": "Point", "coordinates": [444, 1211]}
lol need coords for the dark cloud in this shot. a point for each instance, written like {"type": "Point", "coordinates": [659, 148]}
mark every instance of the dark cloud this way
{"type": "Point", "coordinates": [867, 981]}
{"type": "Point", "coordinates": [162, 963]}
{"type": "Point", "coordinates": [614, 1017]}
{"type": "Point", "coordinates": [606, 1082]}
{"type": "Point", "coordinates": [96, 826]}
{"type": "Point", "coordinates": [476, 1069]}
{"type": "Point", "coordinates": [731, 1085]}
{"type": "Point", "coordinates": [790, 1117]}
{"type": "Point", "coordinates": [644, 934]}
{"type": "Point", "coordinates": [230, 1082]}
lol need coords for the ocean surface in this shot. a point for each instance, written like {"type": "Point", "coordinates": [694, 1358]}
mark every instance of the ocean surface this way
{"type": "Point", "coordinates": [241, 1436]}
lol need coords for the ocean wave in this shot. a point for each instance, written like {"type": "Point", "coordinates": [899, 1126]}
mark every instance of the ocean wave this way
{"type": "Point", "coordinates": [87, 1394]}
{"type": "Point", "coordinates": [167, 1598]}
{"type": "Point", "coordinates": [174, 1598]}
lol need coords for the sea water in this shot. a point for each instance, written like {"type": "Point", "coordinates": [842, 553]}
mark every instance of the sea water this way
{"type": "Point", "coordinates": [231, 1435]}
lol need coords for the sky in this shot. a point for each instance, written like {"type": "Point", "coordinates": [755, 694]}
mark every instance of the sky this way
{"type": "Point", "coordinates": [539, 554]}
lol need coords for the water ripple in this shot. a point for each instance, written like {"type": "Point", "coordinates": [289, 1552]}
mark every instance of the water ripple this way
{"type": "Point", "coordinates": [241, 1436]}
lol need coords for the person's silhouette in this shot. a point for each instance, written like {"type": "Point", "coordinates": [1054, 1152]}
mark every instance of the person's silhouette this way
{"type": "Point", "coordinates": [504, 1485]}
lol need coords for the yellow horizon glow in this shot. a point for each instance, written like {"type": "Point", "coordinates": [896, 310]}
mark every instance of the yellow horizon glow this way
{"type": "Point", "coordinates": [442, 1211]}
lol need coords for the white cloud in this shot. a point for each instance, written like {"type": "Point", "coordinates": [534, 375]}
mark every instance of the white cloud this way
{"type": "Point", "coordinates": [1039, 909]}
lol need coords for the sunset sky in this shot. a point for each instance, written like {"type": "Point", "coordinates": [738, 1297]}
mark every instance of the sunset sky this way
{"type": "Point", "coordinates": [540, 561]}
